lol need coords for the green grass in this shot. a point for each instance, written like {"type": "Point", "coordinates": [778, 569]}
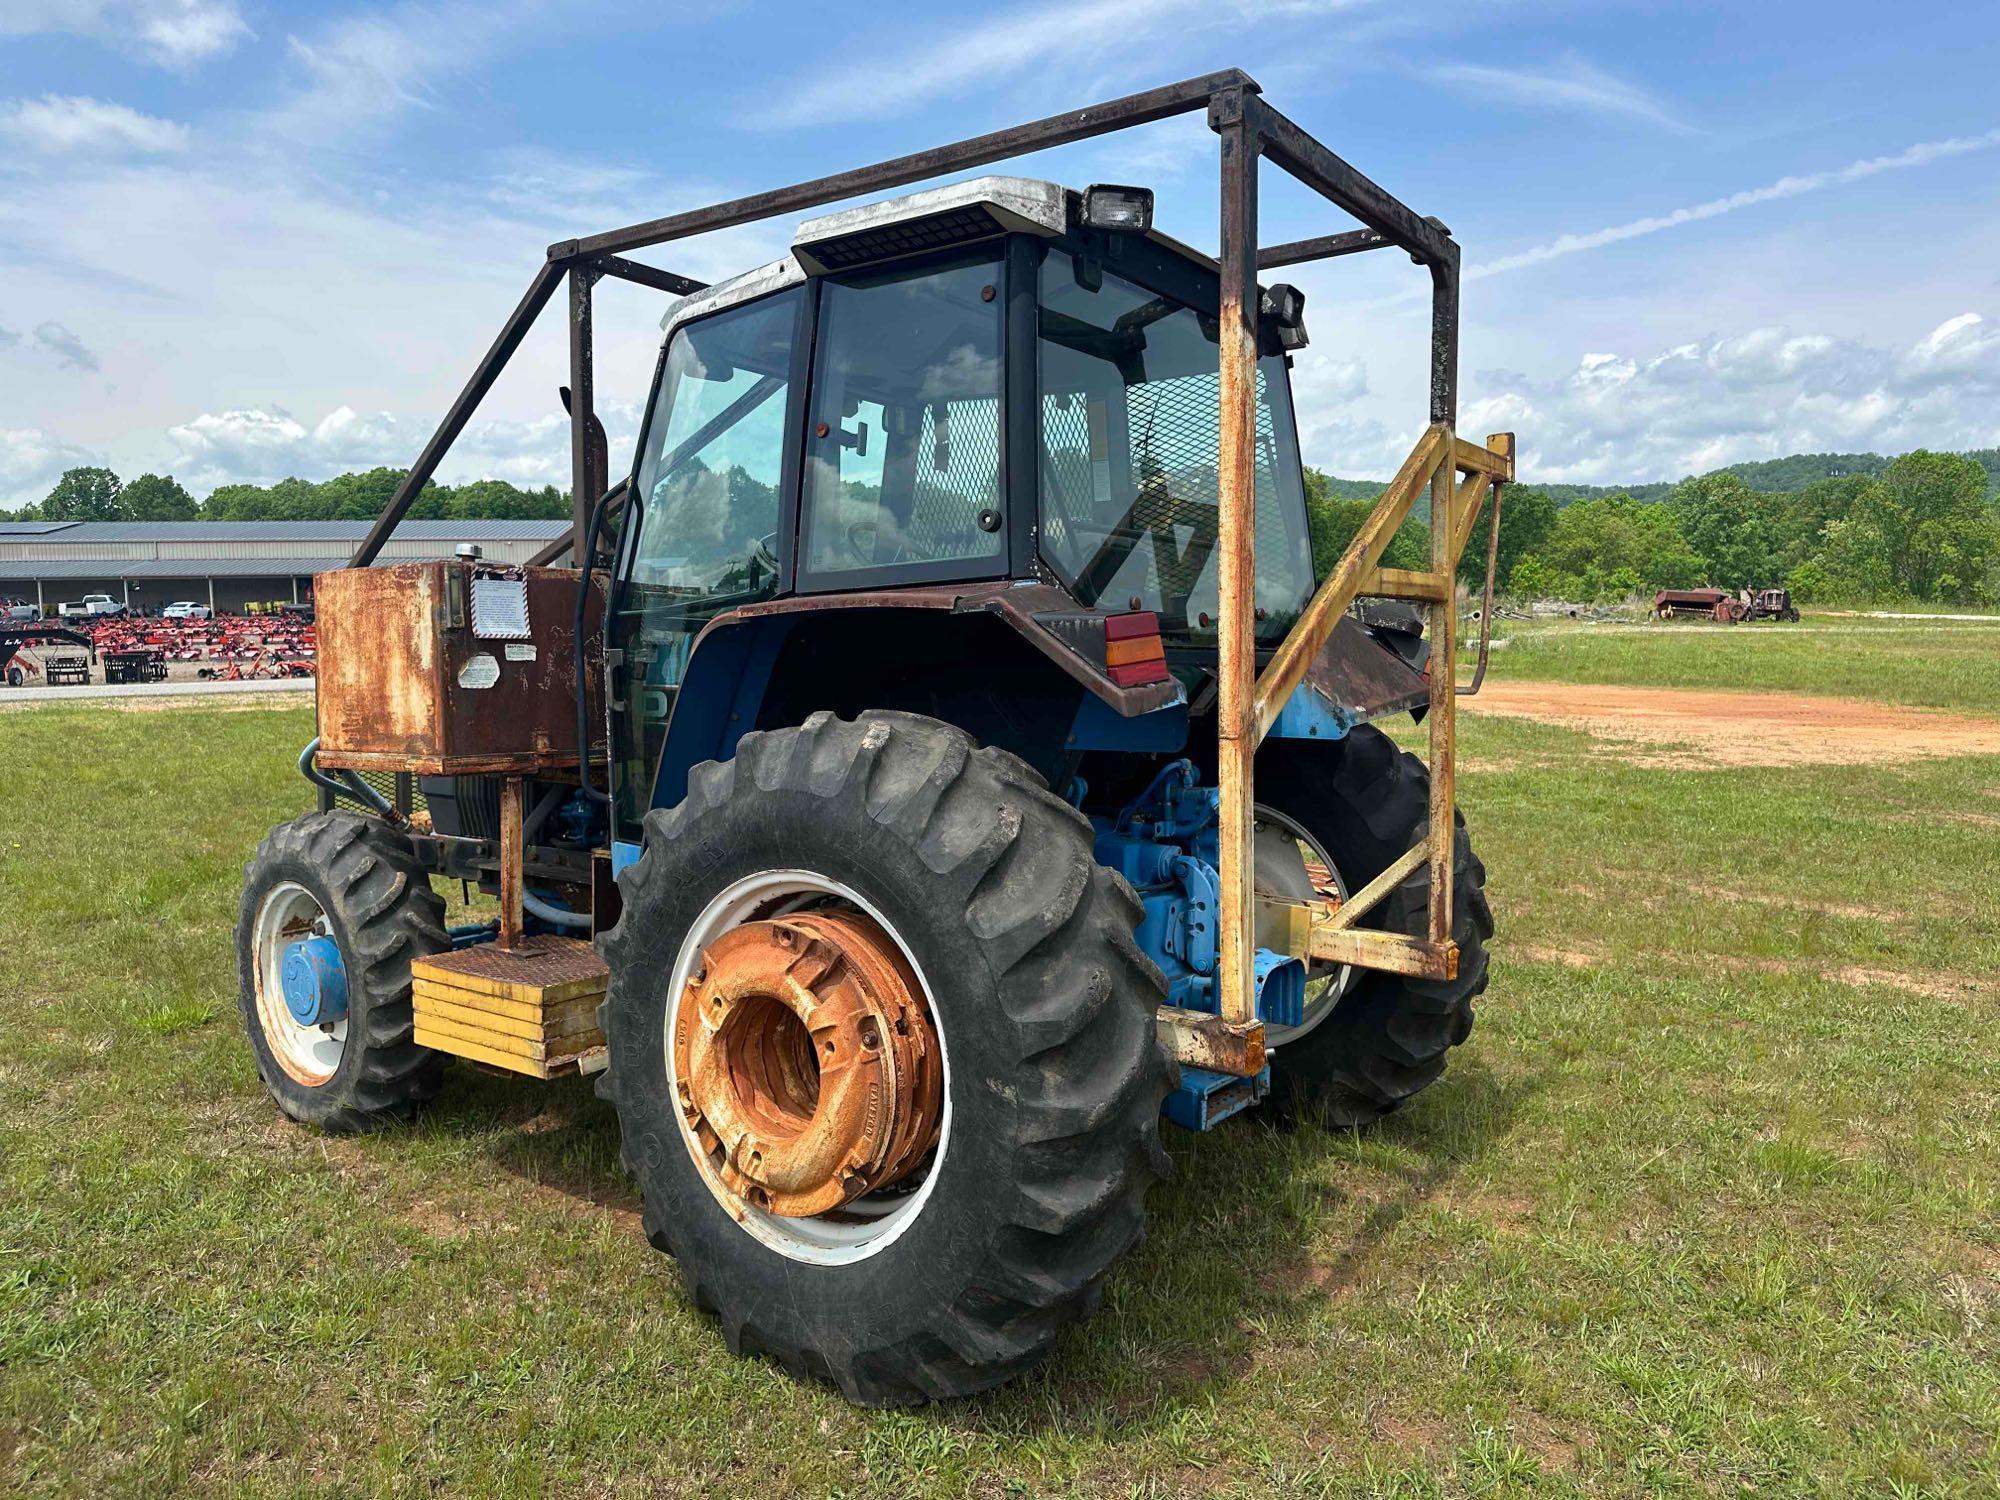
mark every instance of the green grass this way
{"type": "Point", "coordinates": [1709, 1204]}
{"type": "Point", "coordinates": [1926, 664]}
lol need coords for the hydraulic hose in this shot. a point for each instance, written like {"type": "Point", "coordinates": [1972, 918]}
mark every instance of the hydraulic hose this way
{"type": "Point", "coordinates": [555, 916]}
{"type": "Point", "coordinates": [349, 785]}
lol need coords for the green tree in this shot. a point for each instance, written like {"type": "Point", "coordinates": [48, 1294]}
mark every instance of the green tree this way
{"type": "Point", "coordinates": [1604, 549]}
{"type": "Point", "coordinates": [1810, 583]}
{"type": "Point", "coordinates": [157, 497]}
{"type": "Point", "coordinates": [1729, 527]}
{"type": "Point", "coordinates": [497, 500]}
{"type": "Point", "coordinates": [1527, 517]}
{"type": "Point", "coordinates": [1947, 529]}
{"type": "Point", "coordinates": [1333, 523]}
{"type": "Point", "coordinates": [237, 502]}
{"type": "Point", "coordinates": [1857, 555]}
{"type": "Point", "coordinates": [359, 497]}
{"type": "Point", "coordinates": [85, 494]}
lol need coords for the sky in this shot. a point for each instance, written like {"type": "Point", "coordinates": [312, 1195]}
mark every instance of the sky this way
{"type": "Point", "coordinates": [243, 240]}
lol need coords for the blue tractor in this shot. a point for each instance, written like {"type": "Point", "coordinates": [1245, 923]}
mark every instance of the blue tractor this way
{"type": "Point", "coordinates": [937, 762]}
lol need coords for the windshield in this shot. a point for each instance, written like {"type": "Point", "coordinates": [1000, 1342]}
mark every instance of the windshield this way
{"type": "Point", "coordinates": [707, 511]}
{"type": "Point", "coordinates": [1128, 465]}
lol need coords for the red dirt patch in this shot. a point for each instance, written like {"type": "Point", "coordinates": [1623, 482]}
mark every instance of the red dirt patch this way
{"type": "Point", "coordinates": [1723, 729]}
{"type": "Point", "coordinates": [1934, 986]}
{"type": "Point", "coordinates": [1569, 958]}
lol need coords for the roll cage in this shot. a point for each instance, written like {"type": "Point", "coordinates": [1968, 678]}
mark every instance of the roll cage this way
{"type": "Point", "coordinates": [1248, 701]}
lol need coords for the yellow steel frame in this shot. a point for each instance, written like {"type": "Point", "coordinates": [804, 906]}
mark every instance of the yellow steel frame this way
{"type": "Point", "coordinates": [1250, 700]}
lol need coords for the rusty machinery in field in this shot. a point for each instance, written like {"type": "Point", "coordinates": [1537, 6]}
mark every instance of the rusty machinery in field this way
{"type": "Point", "coordinates": [939, 761]}
{"type": "Point", "coordinates": [1724, 607]}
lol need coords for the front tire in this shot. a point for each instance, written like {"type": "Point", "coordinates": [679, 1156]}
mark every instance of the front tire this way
{"type": "Point", "coordinates": [351, 878]}
{"type": "Point", "coordinates": [1365, 802]}
{"type": "Point", "coordinates": [1042, 1003]}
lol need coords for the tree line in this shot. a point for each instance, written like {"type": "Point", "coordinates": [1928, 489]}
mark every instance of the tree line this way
{"type": "Point", "coordinates": [97, 494]}
{"type": "Point", "coordinates": [1921, 528]}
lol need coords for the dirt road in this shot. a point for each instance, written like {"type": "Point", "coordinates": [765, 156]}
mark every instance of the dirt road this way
{"type": "Point", "coordinates": [1687, 727]}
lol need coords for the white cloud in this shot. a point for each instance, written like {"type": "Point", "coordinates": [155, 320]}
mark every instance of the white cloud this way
{"type": "Point", "coordinates": [1919, 155]}
{"type": "Point", "coordinates": [1571, 83]}
{"type": "Point", "coordinates": [896, 82]}
{"type": "Point", "coordinates": [264, 445]}
{"type": "Point", "coordinates": [31, 461]}
{"type": "Point", "coordinates": [71, 122]}
{"type": "Point", "coordinates": [364, 69]}
{"type": "Point", "coordinates": [1086, 39]}
{"type": "Point", "coordinates": [1961, 349]}
{"type": "Point", "coordinates": [172, 33]}
{"type": "Point", "coordinates": [1763, 393]}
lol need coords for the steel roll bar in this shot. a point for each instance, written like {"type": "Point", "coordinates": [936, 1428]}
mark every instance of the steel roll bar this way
{"type": "Point", "coordinates": [1248, 131]}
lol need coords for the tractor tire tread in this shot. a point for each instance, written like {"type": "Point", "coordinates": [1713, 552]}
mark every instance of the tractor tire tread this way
{"type": "Point", "coordinates": [366, 878]}
{"type": "Point", "coordinates": [1083, 1070]}
{"type": "Point", "coordinates": [1388, 1037]}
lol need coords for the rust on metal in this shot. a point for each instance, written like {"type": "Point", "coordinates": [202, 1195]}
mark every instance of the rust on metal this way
{"type": "Point", "coordinates": [411, 681]}
{"type": "Point", "coordinates": [1404, 583]}
{"type": "Point", "coordinates": [1357, 675]}
{"type": "Point", "coordinates": [806, 1063]}
{"type": "Point", "coordinates": [511, 931]}
{"type": "Point", "coordinates": [1199, 1039]}
{"type": "Point", "coordinates": [1341, 585]}
{"type": "Point", "coordinates": [1325, 931]}
{"type": "Point", "coordinates": [1236, 727]}
{"type": "Point", "coordinates": [1442, 721]}
{"type": "Point", "coordinates": [1368, 948]}
{"type": "Point", "coordinates": [1501, 443]}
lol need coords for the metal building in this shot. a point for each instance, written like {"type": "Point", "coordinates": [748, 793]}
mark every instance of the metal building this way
{"type": "Point", "coordinates": [224, 564]}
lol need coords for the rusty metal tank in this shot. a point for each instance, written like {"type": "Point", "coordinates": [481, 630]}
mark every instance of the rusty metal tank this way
{"type": "Point", "coordinates": [453, 668]}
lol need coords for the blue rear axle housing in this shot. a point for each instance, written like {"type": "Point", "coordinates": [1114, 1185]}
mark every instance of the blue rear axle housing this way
{"type": "Point", "coordinates": [1164, 843]}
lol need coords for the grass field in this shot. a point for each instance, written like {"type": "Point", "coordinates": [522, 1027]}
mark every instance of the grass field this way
{"type": "Point", "coordinates": [1709, 1204]}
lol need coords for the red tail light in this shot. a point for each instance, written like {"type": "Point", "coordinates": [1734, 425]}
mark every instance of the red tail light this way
{"type": "Point", "coordinates": [1133, 652]}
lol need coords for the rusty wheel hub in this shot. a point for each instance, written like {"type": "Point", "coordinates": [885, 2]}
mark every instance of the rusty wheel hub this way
{"type": "Point", "coordinates": [805, 1062]}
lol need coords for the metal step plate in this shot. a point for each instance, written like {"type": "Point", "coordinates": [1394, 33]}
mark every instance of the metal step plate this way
{"type": "Point", "coordinates": [532, 1009]}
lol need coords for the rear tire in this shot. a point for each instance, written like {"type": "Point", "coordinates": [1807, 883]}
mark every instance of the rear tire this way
{"type": "Point", "coordinates": [1365, 802]}
{"type": "Point", "coordinates": [1044, 1008]}
{"type": "Point", "coordinates": [377, 904]}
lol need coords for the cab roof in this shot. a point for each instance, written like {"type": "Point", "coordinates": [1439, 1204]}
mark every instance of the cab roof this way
{"type": "Point", "coordinates": [959, 213]}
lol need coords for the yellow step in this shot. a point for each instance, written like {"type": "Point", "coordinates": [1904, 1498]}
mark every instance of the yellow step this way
{"type": "Point", "coordinates": [532, 1009]}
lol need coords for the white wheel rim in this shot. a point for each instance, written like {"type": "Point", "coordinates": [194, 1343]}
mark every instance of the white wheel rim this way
{"type": "Point", "coordinates": [310, 1054]}
{"type": "Point", "coordinates": [1331, 986]}
{"type": "Point", "coordinates": [868, 1225]}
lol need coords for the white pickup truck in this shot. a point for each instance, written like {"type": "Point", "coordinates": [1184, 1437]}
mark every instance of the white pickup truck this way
{"type": "Point", "coordinates": [92, 604]}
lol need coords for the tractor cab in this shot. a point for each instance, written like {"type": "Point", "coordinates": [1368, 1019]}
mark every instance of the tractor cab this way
{"type": "Point", "coordinates": [1001, 381]}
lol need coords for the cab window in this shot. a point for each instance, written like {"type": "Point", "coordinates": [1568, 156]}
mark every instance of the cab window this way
{"type": "Point", "coordinates": [902, 442]}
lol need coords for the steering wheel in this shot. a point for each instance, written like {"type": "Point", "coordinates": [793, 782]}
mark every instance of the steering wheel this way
{"type": "Point", "coordinates": [859, 538]}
